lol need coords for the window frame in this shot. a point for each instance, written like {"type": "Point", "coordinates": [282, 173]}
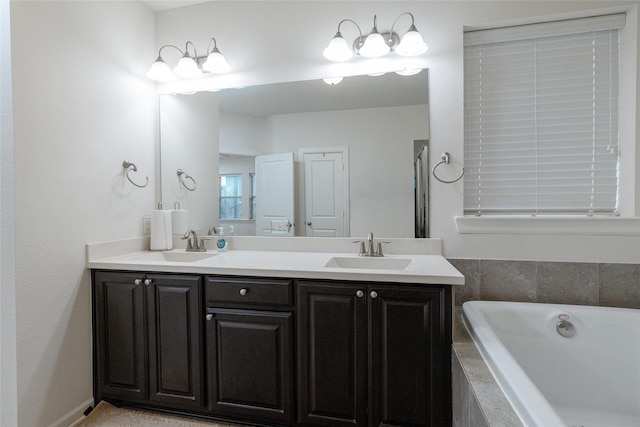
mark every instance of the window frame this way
{"type": "Point", "coordinates": [628, 221]}
{"type": "Point", "coordinates": [238, 198]}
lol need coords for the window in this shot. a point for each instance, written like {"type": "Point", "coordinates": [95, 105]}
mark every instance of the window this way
{"type": "Point", "coordinates": [230, 196]}
{"type": "Point", "coordinates": [541, 118]}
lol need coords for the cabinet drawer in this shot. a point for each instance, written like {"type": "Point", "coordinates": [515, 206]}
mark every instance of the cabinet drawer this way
{"type": "Point", "coordinates": [221, 290]}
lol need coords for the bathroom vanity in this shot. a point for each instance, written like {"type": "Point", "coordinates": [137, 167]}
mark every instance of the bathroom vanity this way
{"type": "Point", "coordinates": [305, 337]}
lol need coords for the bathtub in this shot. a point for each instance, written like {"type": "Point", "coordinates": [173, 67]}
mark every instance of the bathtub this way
{"type": "Point", "coordinates": [562, 365]}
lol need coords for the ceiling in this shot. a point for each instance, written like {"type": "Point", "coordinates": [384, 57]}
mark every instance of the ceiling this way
{"type": "Point", "coordinates": [389, 90]}
{"type": "Point", "coordinates": [159, 5]}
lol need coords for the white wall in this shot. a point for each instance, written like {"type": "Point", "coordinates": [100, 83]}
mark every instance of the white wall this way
{"type": "Point", "coordinates": [81, 105]}
{"type": "Point", "coordinates": [242, 135]}
{"type": "Point", "coordinates": [8, 374]}
{"type": "Point", "coordinates": [189, 129]}
{"type": "Point", "coordinates": [380, 142]}
{"type": "Point", "coordinates": [283, 41]}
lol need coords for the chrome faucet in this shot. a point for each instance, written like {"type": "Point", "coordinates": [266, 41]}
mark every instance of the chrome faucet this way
{"type": "Point", "coordinates": [193, 243]}
{"type": "Point", "coordinates": [370, 240]}
{"type": "Point", "coordinates": [369, 249]}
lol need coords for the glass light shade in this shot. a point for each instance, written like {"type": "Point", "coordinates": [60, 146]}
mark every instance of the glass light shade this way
{"type": "Point", "coordinates": [160, 71]}
{"type": "Point", "coordinates": [332, 80]}
{"type": "Point", "coordinates": [187, 67]}
{"type": "Point", "coordinates": [374, 46]}
{"type": "Point", "coordinates": [409, 71]}
{"type": "Point", "coordinates": [338, 49]}
{"type": "Point", "coordinates": [411, 44]}
{"type": "Point", "coordinates": [216, 63]}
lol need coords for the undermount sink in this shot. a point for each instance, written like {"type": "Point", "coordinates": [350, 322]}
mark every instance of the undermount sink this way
{"type": "Point", "coordinates": [176, 256]}
{"type": "Point", "coordinates": [370, 263]}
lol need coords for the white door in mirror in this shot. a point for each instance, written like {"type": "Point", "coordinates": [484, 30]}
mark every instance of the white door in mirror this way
{"type": "Point", "coordinates": [274, 195]}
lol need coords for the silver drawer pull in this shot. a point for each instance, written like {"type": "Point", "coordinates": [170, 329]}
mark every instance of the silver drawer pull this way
{"type": "Point", "coordinates": [243, 291]}
{"type": "Point", "coordinates": [147, 282]}
{"type": "Point", "coordinates": [209, 316]}
{"type": "Point", "coordinates": [359, 293]}
{"type": "Point", "coordinates": [374, 294]}
{"type": "Point", "coordinates": [137, 282]}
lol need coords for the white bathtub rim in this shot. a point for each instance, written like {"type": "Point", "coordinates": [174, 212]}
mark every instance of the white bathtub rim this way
{"type": "Point", "coordinates": [514, 382]}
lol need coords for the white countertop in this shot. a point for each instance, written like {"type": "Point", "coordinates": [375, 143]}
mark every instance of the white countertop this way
{"type": "Point", "coordinates": [257, 257]}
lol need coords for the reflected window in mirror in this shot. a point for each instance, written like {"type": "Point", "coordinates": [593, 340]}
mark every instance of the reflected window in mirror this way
{"type": "Point", "coordinates": [230, 197]}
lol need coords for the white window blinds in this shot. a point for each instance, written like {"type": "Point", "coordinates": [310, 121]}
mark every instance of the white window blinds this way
{"type": "Point", "coordinates": [541, 118]}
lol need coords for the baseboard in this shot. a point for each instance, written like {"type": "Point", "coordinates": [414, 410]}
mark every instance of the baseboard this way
{"type": "Point", "coordinates": [74, 416]}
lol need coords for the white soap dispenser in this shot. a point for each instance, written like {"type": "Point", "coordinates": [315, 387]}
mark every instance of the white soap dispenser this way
{"type": "Point", "coordinates": [221, 242]}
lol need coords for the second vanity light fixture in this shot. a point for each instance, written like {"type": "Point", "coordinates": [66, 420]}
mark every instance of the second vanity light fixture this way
{"type": "Point", "coordinates": [374, 44]}
{"type": "Point", "coordinates": [189, 65]}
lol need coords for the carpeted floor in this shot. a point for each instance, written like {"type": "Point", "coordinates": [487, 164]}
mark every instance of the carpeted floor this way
{"type": "Point", "coordinates": [107, 415]}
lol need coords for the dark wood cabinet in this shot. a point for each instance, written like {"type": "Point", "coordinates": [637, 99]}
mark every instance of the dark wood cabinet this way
{"type": "Point", "coordinates": [409, 354]}
{"type": "Point", "coordinates": [332, 355]}
{"type": "Point", "coordinates": [269, 351]}
{"type": "Point", "coordinates": [175, 334]}
{"type": "Point", "coordinates": [250, 351]}
{"type": "Point", "coordinates": [119, 337]}
{"type": "Point", "coordinates": [373, 354]}
{"type": "Point", "coordinates": [148, 345]}
{"type": "Point", "coordinates": [250, 360]}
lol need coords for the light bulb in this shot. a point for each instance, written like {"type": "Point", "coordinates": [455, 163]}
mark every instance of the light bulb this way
{"type": "Point", "coordinates": [160, 71]}
{"type": "Point", "coordinates": [374, 46]}
{"type": "Point", "coordinates": [411, 44]}
{"type": "Point", "coordinates": [216, 63]}
{"type": "Point", "coordinates": [187, 67]}
{"type": "Point", "coordinates": [338, 49]}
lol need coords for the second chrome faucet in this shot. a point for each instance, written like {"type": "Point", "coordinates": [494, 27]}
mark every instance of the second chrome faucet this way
{"type": "Point", "coordinates": [370, 248]}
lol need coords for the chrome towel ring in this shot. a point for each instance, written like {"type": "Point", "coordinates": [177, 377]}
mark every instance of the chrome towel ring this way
{"type": "Point", "coordinates": [445, 159]}
{"type": "Point", "coordinates": [186, 176]}
{"type": "Point", "coordinates": [128, 166]}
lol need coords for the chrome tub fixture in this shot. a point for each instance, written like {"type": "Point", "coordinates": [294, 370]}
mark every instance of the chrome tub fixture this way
{"type": "Point", "coordinates": [189, 66]}
{"type": "Point", "coordinates": [376, 44]}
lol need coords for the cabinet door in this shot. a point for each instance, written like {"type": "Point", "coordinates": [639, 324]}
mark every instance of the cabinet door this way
{"type": "Point", "coordinates": [250, 364]}
{"type": "Point", "coordinates": [175, 336]}
{"type": "Point", "coordinates": [120, 341]}
{"type": "Point", "coordinates": [332, 360]}
{"type": "Point", "coordinates": [409, 346]}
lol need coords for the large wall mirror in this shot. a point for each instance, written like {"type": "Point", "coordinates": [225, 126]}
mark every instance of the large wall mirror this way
{"type": "Point", "coordinates": [351, 145]}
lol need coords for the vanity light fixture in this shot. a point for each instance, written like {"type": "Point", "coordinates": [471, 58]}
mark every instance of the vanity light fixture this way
{"type": "Point", "coordinates": [375, 44]}
{"type": "Point", "coordinates": [189, 65]}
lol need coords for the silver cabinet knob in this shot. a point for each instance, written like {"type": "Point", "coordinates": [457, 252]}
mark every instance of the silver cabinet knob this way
{"type": "Point", "coordinates": [147, 282]}
{"type": "Point", "coordinates": [243, 291]}
{"type": "Point", "coordinates": [359, 293]}
{"type": "Point", "coordinates": [137, 282]}
{"type": "Point", "coordinates": [209, 316]}
{"type": "Point", "coordinates": [373, 294]}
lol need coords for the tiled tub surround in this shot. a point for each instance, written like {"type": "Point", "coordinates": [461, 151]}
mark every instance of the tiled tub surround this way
{"type": "Point", "coordinates": [611, 285]}
{"type": "Point", "coordinates": [477, 398]}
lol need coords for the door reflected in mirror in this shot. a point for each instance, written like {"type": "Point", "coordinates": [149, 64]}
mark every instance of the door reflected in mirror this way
{"type": "Point", "coordinates": [371, 121]}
